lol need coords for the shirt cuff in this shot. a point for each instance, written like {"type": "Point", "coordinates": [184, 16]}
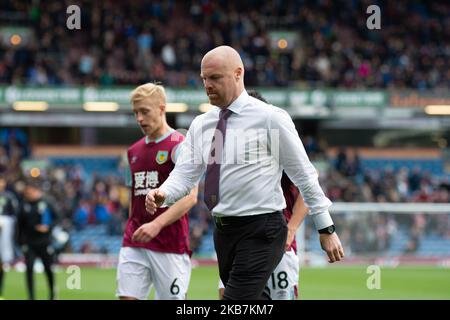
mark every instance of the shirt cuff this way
{"type": "Point", "coordinates": [166, 202]}
{"type": "Point", "coordinates": [322, 220]}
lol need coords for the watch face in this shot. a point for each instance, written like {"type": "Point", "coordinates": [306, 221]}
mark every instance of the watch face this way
{"type": "Point", "coordinates": [328, 230]}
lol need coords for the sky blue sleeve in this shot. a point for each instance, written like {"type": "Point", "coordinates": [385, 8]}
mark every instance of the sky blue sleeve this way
{"type": "Point", "coordinates": [128, 178]}
{"type": "Point", "coordinates": [47, 217]}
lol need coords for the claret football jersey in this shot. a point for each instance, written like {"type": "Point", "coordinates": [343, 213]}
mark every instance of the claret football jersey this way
{"type": "Point", "coordinates": [150, 164]}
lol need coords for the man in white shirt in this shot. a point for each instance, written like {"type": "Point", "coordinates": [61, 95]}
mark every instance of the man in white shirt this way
{"type": "Point", "coordinates": [243, 145]}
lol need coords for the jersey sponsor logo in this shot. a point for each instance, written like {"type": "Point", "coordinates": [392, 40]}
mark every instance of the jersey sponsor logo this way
{"type": "Point", "coordinates": [284, 294]}
{"type": "Point", "coordinates": [144, 181]}
{"type": "Point", "coordinates": [141, 192]}
{"type": "Point", "coordinates": [162, 156]}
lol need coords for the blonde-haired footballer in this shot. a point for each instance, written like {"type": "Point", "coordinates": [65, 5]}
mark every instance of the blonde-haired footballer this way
{"type": "Point", "coordinates": [155, 249]}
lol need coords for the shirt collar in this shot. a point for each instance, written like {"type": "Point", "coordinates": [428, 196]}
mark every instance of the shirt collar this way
{"type": "Point", "coordinates": [157, 140]}
{"type": "Point", "coordinates": [237, 105]}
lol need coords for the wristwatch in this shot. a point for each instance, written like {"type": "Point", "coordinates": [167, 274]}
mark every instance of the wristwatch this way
{"type": "Point", "coordinates": [328, 230]}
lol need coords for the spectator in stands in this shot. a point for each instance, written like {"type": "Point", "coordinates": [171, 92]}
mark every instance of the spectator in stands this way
{"type": "Point", "coordinates": [16, 142]}
{"type": "Point", "coordinates": [3, 159]}
{"type": "Point", "coordinates": [311, 146]}
{"type": "Point", "coordinates": [116, 211]}
{"type": "Point", "coordinates": [341, 161]}
{"type": "Point", "coordinates": [414, 241]}
{"type": "Point", "coordinates": [102, 215]}
{"type": "Point", "coordinates": [353, 164]}
{"type": "Point", "coordinates": [87, 247]}
{"type": "Point", "coordinates": [81, 215]}
{"type": "Point", "coordinates": [414, 180]}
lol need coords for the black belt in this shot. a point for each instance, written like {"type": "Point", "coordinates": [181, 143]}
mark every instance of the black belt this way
{"type": "Point", "coordinates": [224, 221]}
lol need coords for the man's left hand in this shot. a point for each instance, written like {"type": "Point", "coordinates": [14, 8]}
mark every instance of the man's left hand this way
{"type": "Point", "coordinates": [331, 244]}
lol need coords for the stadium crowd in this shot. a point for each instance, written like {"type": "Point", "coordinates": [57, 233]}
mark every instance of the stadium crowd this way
{"type": "Point", "coordinates": [136, 42]}
{"type": "Point", "coordinates": [349, 181]}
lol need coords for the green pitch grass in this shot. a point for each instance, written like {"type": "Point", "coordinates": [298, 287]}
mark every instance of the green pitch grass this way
{"type": "Point", "coordinates": [333, 282]}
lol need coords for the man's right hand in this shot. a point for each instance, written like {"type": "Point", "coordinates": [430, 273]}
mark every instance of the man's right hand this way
{"type": "Point", "coordinates": [147, 232]}
{"type": "Point", "coordinates": [290, 238]}
{"type": "Point", "coordinates": [154, 199]}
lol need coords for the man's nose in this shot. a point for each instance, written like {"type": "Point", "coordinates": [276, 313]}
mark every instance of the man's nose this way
{"type": "Point", "coordinates": [207, 84]}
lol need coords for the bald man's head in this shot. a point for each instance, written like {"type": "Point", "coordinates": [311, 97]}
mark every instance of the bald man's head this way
{"type": "Point", "coordinates": [226, 54]}
{"type": "Point", "coordinates": [222, 72]}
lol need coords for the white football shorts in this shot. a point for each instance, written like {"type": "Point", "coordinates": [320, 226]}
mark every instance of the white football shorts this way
{"type": "Point", "coordinates": [141, 269]}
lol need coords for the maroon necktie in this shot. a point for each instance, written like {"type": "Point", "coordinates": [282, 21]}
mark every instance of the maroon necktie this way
{"type": "Point", "coordinates": [212, 177]}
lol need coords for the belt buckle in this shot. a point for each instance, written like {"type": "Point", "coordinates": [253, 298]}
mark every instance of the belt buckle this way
{"type": "Point", "coordinates": [219, 221]}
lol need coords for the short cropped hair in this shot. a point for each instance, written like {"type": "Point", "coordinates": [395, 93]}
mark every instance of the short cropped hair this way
{"type": "Point", "coordinates": [148, 90]}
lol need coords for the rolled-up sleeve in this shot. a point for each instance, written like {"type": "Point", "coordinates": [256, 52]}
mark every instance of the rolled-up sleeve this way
{"type": "Point", "coordinates": [288, 149]}
{"type": "Point", "coordinates": [188, 169]}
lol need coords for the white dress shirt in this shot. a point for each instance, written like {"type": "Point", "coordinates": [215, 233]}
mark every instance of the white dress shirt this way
{"type": "Point", "coordinates": [261, 141]}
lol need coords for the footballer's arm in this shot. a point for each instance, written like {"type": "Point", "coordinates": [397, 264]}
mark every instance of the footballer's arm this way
{"type": "Point", "coordinates": [150, 230]}
{"type": "Point", "coordinates": [299, 212]}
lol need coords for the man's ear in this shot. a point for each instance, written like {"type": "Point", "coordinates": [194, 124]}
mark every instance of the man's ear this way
{"type": "Point", "coordinates": [162, 108]}
{"type": "Point", "coordinates": [239, 73]}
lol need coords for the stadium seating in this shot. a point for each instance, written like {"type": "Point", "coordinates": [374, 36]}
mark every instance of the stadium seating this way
{"type": "Point", "coordinates": [433, 166]}
{"type": "Point", "coordinates": [99, 165]}
{"type": "Point", "coordinates": [98, 237]}
{"type": "Point", "coordinates": [206, 248]}
{"type": "Point", "coordinates": [108, 165]}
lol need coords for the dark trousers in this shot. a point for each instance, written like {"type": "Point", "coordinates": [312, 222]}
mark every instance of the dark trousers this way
{"type": "Point", "coordinates": [248, 250]}
{"type": "Point", "coordinates": [31, 252]}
